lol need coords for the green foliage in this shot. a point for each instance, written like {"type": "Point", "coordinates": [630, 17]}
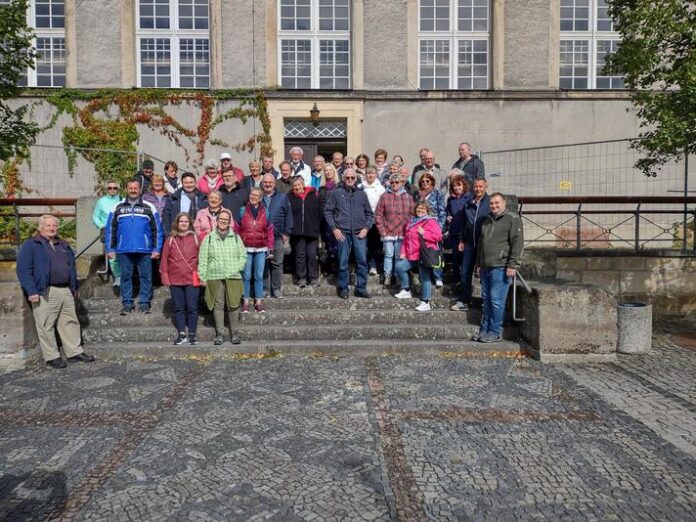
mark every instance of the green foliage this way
{"type": "Point", "coordinates": [16, 55]}
{"type": "Point", "coordinates": [657, 57]}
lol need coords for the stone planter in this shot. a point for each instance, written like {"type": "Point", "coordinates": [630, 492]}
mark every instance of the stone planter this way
{"type": "Point", "coordinates": [634, 328]}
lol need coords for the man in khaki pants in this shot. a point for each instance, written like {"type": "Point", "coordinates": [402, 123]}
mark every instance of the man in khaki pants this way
{"type": "Point", "coordinates": [46, 272]}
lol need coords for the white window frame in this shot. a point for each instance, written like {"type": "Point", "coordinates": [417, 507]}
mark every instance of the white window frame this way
{"type": "Point", "coordinates": [453, 35]}
{"type": "Point", "coordinates": [44, 32]}
{"type": "Point", "coordinates": [174, 35]}
{"type": "Point", "coordinates": [592, 37]}
{"type": "Point", "coordinates": [315, 36]}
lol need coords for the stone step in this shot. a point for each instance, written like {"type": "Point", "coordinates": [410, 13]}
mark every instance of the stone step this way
{"type": "Point", "coordinates": [369, 332]}
{"type": "Point", "coordinates": [325, 290]}
{"type": "Point", "coordinates": [163, 304]}
{"type": "Point", "coordinates": [300, 317]}
{"type": "Point", "coordinates": [373, 347]}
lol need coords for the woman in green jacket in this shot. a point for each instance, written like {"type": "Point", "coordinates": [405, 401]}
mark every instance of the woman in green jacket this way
{"type": "Point", "coordinates": [104, 206]}
{"type": "Point", "coordinates": [220, 264]}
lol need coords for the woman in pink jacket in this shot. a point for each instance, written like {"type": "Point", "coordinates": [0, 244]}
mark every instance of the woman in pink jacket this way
{"type": "Point", "coordinates": [212, 179]}
{"type": "Point", "coordinates": [423, 225]}
{"type": "Point", "coordinates": [178, 262]}
{"type": "Point", "coordinates": [206, 219]}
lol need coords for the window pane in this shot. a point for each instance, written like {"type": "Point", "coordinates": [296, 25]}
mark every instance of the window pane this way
{"type": "Point", "coordinates": [49, 14]}
{"type": "Point", "coordinates": [472, 15]}
{"type": "Point", "coordinates": [434, 62]}
{"type": "Point", "coordinates": [434, 15]}
{"type": "Point", "coordinates": [604, 48]}
{"type": "Point", "coordinates": [155, 59]}
{"type": "Point", "coordinates": [296, 59]}
{"type": "Point", "coordinates": [154, 14]}
{"type": "Point", "coordinates": [604, 21]}
{"type": "Point", "coordinates": [193, 14]}
{"type": "Point", "coordinates": [472, 60]}
{"type": "Point", "coordinates": [194, 62]}
{"type": "Point", "coordinates": [334, 59]}
{"type": "Point", "coordinates": [575, 15]}
{"type": "Point", "coordinates": [573, 64]}
{"type": "Point", "coordinates": [334, 15]}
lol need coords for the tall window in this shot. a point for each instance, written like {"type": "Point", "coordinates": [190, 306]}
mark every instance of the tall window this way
{"type": "Point", "coordinates": [173, 43]}
{"type": "Point", "coordinates": [453, 44]}
{"type": "Point", "coordinates": [314, 42]}
{"type": "Point", "coordinates": [587, 37]}
{"type": "Point", "coordinates": [47, 17]}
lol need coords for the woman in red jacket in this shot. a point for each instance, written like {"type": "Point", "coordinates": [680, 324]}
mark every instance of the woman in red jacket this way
{"type": "Point", "coordinates": [178, 262]}
{"type": "Point", "coordinates": [422, 225]}
{"type": "Point", "coordinates": [256, 230]}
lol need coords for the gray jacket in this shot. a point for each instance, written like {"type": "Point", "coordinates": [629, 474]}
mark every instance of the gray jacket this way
{"type": "Point", "coordinates": [501, 241]}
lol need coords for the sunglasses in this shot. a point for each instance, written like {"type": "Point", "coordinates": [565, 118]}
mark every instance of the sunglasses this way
{"type": "Point", "coordinates": [111, 188]}
{"type": "Point", "coordinates": [349, 177]}
{"type": "Point", "coordinates": [423, 181]}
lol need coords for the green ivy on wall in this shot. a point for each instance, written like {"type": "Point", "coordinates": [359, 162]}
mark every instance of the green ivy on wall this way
{"type": "Point", "coordinates": [104, 128]}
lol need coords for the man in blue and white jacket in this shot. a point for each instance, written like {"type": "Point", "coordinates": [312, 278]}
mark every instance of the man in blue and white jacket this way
{"type": "Point", "coordinates": [134, 234]}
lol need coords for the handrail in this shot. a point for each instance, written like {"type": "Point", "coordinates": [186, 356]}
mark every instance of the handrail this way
{"type": "Point", "coordinates": [518, 277]}
{"type": "Point", "coordinates": [33, 202]}
{"type": "Point", "coordinates": [558, 200]}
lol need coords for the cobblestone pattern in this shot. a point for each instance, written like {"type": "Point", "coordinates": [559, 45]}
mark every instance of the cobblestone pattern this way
{"type": "Point", "coordinates": [387, 438]}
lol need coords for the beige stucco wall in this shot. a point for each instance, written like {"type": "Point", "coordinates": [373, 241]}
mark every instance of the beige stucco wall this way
{"type": "Point", "coordinates": [526, 43]}
{"type": "Point", "coordinates": [97, 43]}
{"type": "Point", "coordinates": [386, 45]}
{"type": "Point", "coordinates": [243, 46]}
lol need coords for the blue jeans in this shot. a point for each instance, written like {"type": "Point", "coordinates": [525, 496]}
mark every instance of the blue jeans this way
{"type": "Point", "coordinates": [425, 275]}
{"type": "Point", "coordinates": [391, 250]}
{"type": "Point", "coordinates": [467, 270]}
{"type": "Point", "coordinates": [256, 261]}
{"type": "Point", "coordinates": [494, 289]}
{"type": "Point", "coordinates": [352, 241]}
{"type": "Point", "coordinates": [128, 262]}
{"type": "Point", "coordinates": [185, 307]}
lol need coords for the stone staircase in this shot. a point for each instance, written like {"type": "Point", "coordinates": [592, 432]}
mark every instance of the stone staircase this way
{"type": "Point", "coordinates": [311, 320]}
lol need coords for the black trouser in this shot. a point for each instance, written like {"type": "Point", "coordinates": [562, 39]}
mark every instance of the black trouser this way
{"type": "Point", "coordinates": [374, 247]}
{"type": "Point", "coordinates": [305, 250]}
{"type": "Point", "coordinates": [185, 307]}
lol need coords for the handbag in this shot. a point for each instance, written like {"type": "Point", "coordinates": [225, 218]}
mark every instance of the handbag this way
{"type": "Point", "coordinates": [429, 257]}
{"type": "Point", "coordinates": [194, 273]}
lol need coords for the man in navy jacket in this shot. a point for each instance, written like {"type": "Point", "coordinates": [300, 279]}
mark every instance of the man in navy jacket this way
{"type": "Point", "coordinates": [46, 272]}
{"type": "Point", "coordinates": [134, 234]}
{"type": "Point", "coordinates": [476, 210]}
{"type": "Point", "coordinates": [349, 216]}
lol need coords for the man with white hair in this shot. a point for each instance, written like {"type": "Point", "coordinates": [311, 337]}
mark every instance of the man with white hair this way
{"type": "Point", "coordinates": [47, 274]}
{"type": "Point", "coordinates": [299, 168]}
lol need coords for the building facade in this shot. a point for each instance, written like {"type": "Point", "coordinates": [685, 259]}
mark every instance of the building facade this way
{"type": "Point", "coordinates": [397, 74]}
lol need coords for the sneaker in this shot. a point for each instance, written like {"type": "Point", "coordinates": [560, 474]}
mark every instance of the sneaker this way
{"type": "Point", "coordinates": [363, 293]}
{"type": "Point", "coordinates": [301, 283]}
{"type": "Point", "coordinates": [423, 307]}
{"type": "Point", "coordinates": [127, 309]}
{"type": "Point", "coordinates": [476, 336]}
{"type": "Point", "coordinates": [343, 294]}
{"type": "Point", "coordinates": [490, 338]}
{"type": "Point", "coordinates": [258, 307]}
{"type": "Point", "coordinates": [245, 308]}
{"type": "Point", "coordinates": [235, 340]}
{"type": "Point", "coordinates": [277, 294]}
{"type": "Point", "coordinates": [315, 283]}
{"type": "Point", "coordinates": [219, 339]}
{"type": "Point", "coordinates": [404, 294]}
{"type": "Point", "coordinates": [388, 280]}
{"type": "Point", "coordinates": [145, 309]}
{"type": "Point", "coordinates": [439, 283]}
{"type": "Point", "coordinates": [192, 339]}
{"type": "Point", "coordinates": [117, 282]}
{"type": "Point", "coordinates": [373, 271]}
{"type": "Point", "coordinates": [180, 339]}
{"type": "Point", "coordinates": [459, 307]}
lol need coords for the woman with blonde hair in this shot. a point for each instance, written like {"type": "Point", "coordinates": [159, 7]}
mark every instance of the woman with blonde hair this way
{"type": "Point", "coordinates": [422, 226]}
{"type": "Point", "coordinates": [207, 217]}
{"type": "Point", "coordinates": [178, 264]}
{"type": "Point", "coordinates": [253, 180]}
{"type": "Point", "coordinates": [157, 193]}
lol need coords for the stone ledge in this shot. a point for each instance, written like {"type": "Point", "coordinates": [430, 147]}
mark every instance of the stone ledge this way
{"type": "Point", "coordinates": [568, 319]}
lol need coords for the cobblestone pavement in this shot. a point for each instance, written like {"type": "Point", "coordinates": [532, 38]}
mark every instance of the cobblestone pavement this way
{"type": "Point", "coordinates": [384, 438]}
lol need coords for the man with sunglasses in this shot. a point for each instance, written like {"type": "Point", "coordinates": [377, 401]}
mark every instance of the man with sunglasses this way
{"type": "Point", "coordinates": [349, 216]}
{"type": "Point", "coordinates": [104, 206]}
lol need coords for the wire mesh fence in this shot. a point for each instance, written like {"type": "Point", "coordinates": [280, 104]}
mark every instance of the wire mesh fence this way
{"type": "Point", "coordinates": [593, 169]}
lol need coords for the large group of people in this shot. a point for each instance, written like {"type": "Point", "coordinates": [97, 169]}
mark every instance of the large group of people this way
{"type": "Point", "coordinates": [235, 234]}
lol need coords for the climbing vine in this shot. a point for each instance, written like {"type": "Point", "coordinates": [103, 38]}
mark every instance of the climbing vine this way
{"type": "Point", "coordinates": [105, 123]}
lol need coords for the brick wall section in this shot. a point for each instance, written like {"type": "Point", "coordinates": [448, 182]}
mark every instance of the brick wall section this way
{"type": "Point", "coordinates": [668, 283]}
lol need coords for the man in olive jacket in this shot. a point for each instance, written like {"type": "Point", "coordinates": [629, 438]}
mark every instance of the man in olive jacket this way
{"type": "Point", "coordinates": [499, 252]}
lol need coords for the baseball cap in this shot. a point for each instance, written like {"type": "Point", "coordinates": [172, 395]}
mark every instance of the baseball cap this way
{"type": "Point", "coordinates": [225, 155]}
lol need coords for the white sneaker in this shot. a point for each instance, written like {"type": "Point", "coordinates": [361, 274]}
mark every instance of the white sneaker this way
{"type": "Point", "coordinates": [117, 281]}
{"type": "Point", "coordinates": [459, 307]}
{"type": "Point", "coordinates": [439, 283]}
{"type": "Point", "coordinates": [373, 271]}
{"type": "Point", "coordinates": [423, 307]}
{"type": "Point", "coordinates": [403, 294]}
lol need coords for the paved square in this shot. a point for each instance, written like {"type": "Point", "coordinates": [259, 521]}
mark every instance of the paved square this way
{"type": "Point", "coordinates": [380, 438]}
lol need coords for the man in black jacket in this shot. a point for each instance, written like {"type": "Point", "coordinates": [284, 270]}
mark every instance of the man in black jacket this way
{"type": "Point", "coordinates": [349, 216]}
{"type": "Point", "coordinates": [470, 164]}
{"type": "Point", "coordinates": [186, 199]}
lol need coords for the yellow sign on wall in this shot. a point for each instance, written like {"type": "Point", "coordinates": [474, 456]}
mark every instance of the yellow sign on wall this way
{"type": "Point", "coordinates": [566, 185]}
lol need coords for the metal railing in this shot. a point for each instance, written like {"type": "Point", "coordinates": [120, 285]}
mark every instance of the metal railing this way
{"type": "Point", "coordinates": [629, 222]}
{"type": "Point", "coordinates": [22, 211]}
